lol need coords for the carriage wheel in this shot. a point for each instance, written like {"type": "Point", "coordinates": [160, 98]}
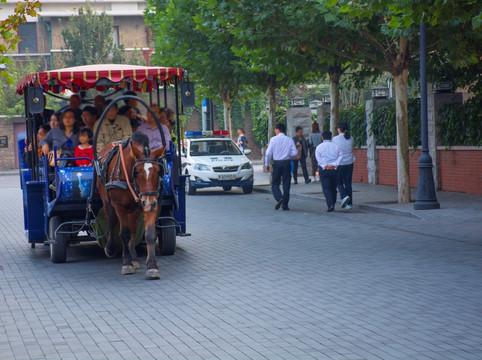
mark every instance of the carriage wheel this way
{"type": "Point", "coordinates": [58, 250]}
{"type": "Point", "coordinates": [166, 236]}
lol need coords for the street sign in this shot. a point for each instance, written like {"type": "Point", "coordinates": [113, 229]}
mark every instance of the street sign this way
{"type": "Point", "coordinates": [3, 142]}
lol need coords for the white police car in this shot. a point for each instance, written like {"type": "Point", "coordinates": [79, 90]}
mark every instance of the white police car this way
{"type": "Point", "coordinates": [215, 161]}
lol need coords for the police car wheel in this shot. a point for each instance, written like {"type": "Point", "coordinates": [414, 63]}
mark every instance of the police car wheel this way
{"type": "Point", "coordinates": [190, 190]}
{"type": "Point", "coordinates": [227, 188]}
{"type": "Point", "coordinates": [248, 189]}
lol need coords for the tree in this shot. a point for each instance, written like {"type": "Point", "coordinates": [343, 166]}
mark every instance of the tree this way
{"type": "Point", "coordinates": [9, 30]}
{"type": "Point", "coordinates": [10, 103]}
{"type": "Point", "coordinates": [383, 35]}
{"type": "Point", "coordinates": [189, 36]}
{"type": "Point", "coordinates": [274, 56]}
{"type": "Point", "coordinates": [89, 39]}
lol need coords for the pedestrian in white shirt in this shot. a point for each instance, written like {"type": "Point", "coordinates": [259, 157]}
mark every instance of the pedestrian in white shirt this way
{"type": "Point", "coordinates": [281, 148]}
{"type": "Point", "coordinates": [328, 156]}
{"type": "Point", "coordinates": [345, 171]}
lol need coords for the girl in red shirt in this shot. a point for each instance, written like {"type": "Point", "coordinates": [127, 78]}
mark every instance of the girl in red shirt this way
{"type": "Point", "coordinates": [85, 148]}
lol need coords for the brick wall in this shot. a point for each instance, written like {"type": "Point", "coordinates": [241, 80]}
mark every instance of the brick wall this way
{"type": "Point", "coordinates": [461, 170]}
{"type": "Point", "coordinates": [387, 162]}
{"type": "Point", "coordinates": [360, 172]}
{"type": "Point", "coordinates": [7, 155]}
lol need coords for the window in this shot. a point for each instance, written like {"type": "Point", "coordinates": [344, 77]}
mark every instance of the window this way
{"type": "Point", "coordinates": [115, 35]}
{"type": "Point", "coordinates": [28, 34]}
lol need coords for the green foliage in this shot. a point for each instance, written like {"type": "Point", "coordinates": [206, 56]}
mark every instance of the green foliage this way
{"type": "Point", "coordinates": [10, 102]}
{"type": "Point", "coordinates": [136, 57]}
{"type": "Point", "coordinates": [460, 124]}
{"type": "Point", "coordinates": [355, 117]}
{"type": "Point", "coordinates": [89, 37]}
{"type": "Point", "coordinates": [260, 125]}
{"type": "Point", "coordinates": [9, 31]}
{"type": "Point", "coordinates": [383, 124]}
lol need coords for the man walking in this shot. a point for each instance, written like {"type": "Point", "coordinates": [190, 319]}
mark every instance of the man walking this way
{"type": "Point", "coordinates": [328, 156]}
{"type": "Point", "coordinates": [300, 140]}
{"type": "Point", "coordinates": [282, 149]}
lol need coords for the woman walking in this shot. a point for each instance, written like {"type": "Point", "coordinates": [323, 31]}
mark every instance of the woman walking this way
{"type": "Point", "coordinates": [314, 141]}
{"type": "Point", "coordinates": [345, 171]}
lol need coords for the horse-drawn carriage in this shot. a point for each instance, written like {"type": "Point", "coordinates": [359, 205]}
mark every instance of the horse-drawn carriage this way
{"type": "Point", "coordinates": [62, 202]}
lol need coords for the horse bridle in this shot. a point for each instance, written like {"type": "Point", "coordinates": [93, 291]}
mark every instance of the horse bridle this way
{"type": "Point", "coordinates": [135, 192]}
{"type": "Point", "coordinates": [160, 163]}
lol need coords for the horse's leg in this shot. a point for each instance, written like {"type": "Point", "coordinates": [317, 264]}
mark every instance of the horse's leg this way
{"type": "Point", "coordinates": [133, 218]}
{"type": "Point", "coordinates": [125, 234]}
{"type": "Point", "coordinates": [152, 270]}
{"type": "Point", "coordinates": [110, 248]}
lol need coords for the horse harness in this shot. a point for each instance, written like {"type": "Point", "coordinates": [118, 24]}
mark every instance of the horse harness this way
{"type": "Point", "coordinates": [115, 182]}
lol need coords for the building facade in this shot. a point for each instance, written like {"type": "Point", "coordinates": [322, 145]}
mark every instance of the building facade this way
{"type": "Point", "coordinates": [42, 37]}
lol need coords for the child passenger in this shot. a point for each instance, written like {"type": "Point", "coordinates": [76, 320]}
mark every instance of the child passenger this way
{"type": "Point", "coordinates": [85, 148]}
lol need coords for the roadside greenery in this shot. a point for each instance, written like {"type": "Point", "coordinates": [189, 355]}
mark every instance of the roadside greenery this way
{"type": "Point", "coordinates": [89, 37]}
{"type": "Point", "coordinates": [9, 31]}
{"type": "Point", "coordinates": [383, 124]}
{"type": "Point", "coordinates": [10, 102]}
{"type": "Point", "coordinates": [461, 124]}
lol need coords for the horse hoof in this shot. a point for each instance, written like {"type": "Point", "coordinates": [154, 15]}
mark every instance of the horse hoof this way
{"type": "Point", "coordinates": [152, 274]}
{"type": "Point", "coordinates": [128, 270]}
{"type": "Point", "coordinates": [136, 265]}
{"type": "Point", "coordinates": [109, 255]}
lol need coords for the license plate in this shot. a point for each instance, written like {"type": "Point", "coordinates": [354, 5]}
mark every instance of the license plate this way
{"type": "Point", "coordinates": [226, 177]}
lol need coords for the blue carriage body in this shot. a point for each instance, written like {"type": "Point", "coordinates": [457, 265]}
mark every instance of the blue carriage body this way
{"type": "Point", "coordinates": [73, 187]}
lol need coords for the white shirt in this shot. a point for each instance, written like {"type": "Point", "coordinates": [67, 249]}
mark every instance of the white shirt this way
{"type": "Point", "coordinates": [281, 147]}
{"type": "Point", "coordinates": [346, 147]}
{"type": "Point", "coordinates": [328, 153]}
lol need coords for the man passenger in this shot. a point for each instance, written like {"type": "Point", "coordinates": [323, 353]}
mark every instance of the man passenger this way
{"type": "Point", "coordinates": [114, 128]}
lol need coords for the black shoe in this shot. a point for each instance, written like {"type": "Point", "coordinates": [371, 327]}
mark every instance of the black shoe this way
{"type": "Point", "coordinates": [308, 181]}
{"type": "Point", "coordinates": [286, 209]}
{"type": "Point", "coordinates": [295, 183]}
{"type": "Point", "coordinates": [278, 204]}
{"type": "Point", "coordinates": [330, 209]}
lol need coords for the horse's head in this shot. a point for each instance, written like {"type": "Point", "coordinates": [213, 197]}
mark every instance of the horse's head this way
{"type": "Point", "coordinates": [147, 172]}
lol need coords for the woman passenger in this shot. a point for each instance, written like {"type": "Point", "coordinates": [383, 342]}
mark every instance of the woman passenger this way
{"type": "Point", "coordinates": [64, 137]}
{"type": "Point", "coordinates": [54, 120]}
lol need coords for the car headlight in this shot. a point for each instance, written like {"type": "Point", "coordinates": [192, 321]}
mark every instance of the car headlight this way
{"type": "Point", "coordinates": [246, 166]}
{"type": "Point", "coordinates": [201, 167]}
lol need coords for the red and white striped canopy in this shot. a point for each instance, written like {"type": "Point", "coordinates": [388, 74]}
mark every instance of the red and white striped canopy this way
{"type": "Point", "coordinates": [101, 77]}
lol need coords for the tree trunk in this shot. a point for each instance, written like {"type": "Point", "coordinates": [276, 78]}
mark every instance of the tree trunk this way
{"type": "Point", "coordinates": [227, 117]}
{"type": "Point", "coordinates": [335, 74]}
{"type": "Point", "coordinates": [228, 124]}
{"type": "Point", "coordinates": [403, 173]}
{"type": "Point", "coordinates": [271, 94]}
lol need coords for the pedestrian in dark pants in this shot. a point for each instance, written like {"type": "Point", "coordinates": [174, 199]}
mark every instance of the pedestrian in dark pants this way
{"type": "Point", "coordinates": [281, 148]}
{"type": "Point", "coordinates": [313, 142]}
{"type": "Point", "coordinates": [345, 171]}
{"type": "Point", "coordinates": [300, 140]}
{"type": "Point", "coordinates": [328, 156]}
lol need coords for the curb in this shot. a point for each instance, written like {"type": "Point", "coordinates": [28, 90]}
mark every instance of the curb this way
{"type": "Point", "coordinates": [373, 208]}
{"type": "Point", "coordinates": [9, 172]}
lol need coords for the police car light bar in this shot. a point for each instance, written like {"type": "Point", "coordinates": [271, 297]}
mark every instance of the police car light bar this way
{"type": "Point", "coordinates": [192, 134]}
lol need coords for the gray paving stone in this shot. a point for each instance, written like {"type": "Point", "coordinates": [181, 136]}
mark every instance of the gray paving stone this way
{"type": "Point", "coordinates": [251, 283]}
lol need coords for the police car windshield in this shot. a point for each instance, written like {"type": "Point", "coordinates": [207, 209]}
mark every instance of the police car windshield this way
{"type": "Point", "coordinates": [214, 147]}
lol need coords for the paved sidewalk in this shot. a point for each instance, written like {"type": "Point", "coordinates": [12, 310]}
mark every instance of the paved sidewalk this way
{"type": "Point", "coordinates": [383, 198]}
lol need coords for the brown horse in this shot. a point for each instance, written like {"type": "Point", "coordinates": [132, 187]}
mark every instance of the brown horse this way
{"type": "Point", "coordinates": [143, 172]}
